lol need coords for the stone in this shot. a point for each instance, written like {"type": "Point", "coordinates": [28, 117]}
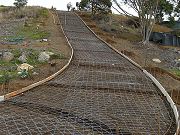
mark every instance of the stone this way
{"type": "Point", "coordinates": [43, 57]}
{"type": "Point", "coordinates": [23, 58]}
{"type": "Point", "coordinates": [156, 60]}
{"type": "Point", "coordinates": [25, 66]}
{"type": "Point", "coordinates": [177, 63]}
{"type": "Point", "coordinates": [8, 56]}
{"type": "Point", "coordinates": [44, 40]}
{"type": "Point", "coordinates": [1, 54]}
{"type": "Point", "coordinates": [50, 53]}
{"type": "Point", "coordinates": [35, 73]}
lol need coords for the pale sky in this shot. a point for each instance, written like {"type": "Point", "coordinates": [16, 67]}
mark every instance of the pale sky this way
{"type": "Point", "coordinates": [59, 4]}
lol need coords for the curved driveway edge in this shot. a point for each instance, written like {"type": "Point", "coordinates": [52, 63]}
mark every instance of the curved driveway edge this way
{"type": "Point", "coordinates": [20, 91]}
{"type": "Point", "coordinates": [155, 81]}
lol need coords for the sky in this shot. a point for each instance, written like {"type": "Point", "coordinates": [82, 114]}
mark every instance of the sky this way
{"type": "Point", "coordinates": [59, 4]}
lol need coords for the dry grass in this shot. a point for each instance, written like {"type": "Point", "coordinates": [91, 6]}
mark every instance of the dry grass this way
{"type": "Point", "coordinates": [160, 28]}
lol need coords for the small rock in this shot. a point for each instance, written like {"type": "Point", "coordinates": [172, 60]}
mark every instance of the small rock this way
{"type": "Point", "coordinates": [43, 57]}
{"type": "Point", "coordinates": [156, 60]}
{"type": "Point", "coordinates": [177, 63]}
{"type": "Point", "coordinates": [50, 53]}
{"type": "Point", "coordinates": [1, 54]}
{"type": "Point", "coordinates": [35, 73]}
{"type": "Point", "coordinates": [25, 66]}
{"type": "Point", "coordinates": [23, 58]}
{"type": "Point", "coordinates": [8, 56]}
{"type": "Point", "coordinates": [44, 40]}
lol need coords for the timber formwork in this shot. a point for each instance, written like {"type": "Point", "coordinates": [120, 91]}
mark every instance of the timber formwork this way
{"type": "Point", "coordinates": [99, 93]}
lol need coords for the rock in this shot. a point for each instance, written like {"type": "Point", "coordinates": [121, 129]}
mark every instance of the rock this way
{"type": "Point", "coordinates": [156, 60]}
{"type": "Point", "coordinates": [8, 56]}
{"type": "Point", "coordinates": [49, 53]}
{"type": "Point", "coordinates": [1, 54]}
{"type": "Point", "coordinates": [44, 40]}
{"type": "Point", "coordinates": [23, 58]}
{"type": "Point", "coordinates": [24, 66]}
{"type": "Point", "coordinates": [35, 73]}
{"type": "Point", "coordinates": [177, 63]}
{"type": "Point", "coordinates": [43, 57]}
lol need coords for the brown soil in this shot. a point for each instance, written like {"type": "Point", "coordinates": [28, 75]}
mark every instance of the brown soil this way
{"type": "Point", "coordinates": [57, 43]}
{"type": "Point", "coordinates": [138, 53]}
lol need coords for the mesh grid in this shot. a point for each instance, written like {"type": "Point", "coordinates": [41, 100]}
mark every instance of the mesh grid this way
{"type": "Point", "coordinates": [99, 93]}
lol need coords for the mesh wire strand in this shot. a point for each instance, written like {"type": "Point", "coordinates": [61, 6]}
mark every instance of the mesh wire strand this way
{"type": "Point", "coordinates": [99, 93]}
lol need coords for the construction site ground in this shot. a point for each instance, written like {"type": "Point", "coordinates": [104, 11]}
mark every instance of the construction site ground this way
{"type": "Point", "coordinates": [101, 92]}
{"type": "Point", "coordinates": [142, 54]}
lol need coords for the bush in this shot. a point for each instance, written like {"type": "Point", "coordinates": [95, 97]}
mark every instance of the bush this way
{"type": "Point", "coordinates": [43, 13]}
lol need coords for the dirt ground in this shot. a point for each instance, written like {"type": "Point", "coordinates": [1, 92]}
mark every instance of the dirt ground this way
{"type": "Point", "coordinates": [56, 42]}
{"type": "Point", "coordinates": [143, 55]}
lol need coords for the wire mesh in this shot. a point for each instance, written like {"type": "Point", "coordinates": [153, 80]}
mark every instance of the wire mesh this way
{"type": "Point", "coordinates": [99, 93]}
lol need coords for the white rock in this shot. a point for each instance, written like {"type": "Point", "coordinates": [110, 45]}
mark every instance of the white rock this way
{"type": "Point", "coordinates": [156, 60]}
{"type": "Point", "coordinates": [23, 58]}
{"type": "Point", "coordinates": [24, 66]}
{"type": "Point", "coordinates": [43, 57]}
{"type": "Point", "coordinates": [35, 73]}
{"type": "Point", "coordinates": [44, 40]}
{"type": "Point", "coordinates": [8, 56]}
{"type": "Point", "coordinates": [49, 53]}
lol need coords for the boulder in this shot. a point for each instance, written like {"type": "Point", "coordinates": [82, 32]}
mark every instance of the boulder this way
{"type": "Point", "coordinates": [156, 60]}
{"type": "Point", "coordinates": [23, 58]}
{"type": "Point", "coordinates": [25, 66]}
{"type": "Point", "coordinates": [8, 56]}
{"type": "Point", "coordinates": [43, 57]}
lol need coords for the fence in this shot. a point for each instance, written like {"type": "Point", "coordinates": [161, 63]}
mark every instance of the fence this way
{"type": "Point", "coordinates": [165, 39]}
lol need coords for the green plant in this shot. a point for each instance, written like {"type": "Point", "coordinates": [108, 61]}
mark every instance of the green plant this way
{"type": "Point", "coordinates": [57, 56]}
{"type": "Point", "coordinates": [175, 72]}
{"type": "Point", "coordinates": [43, 12]}
{"type": "Point", "coordinates": [31, 32]}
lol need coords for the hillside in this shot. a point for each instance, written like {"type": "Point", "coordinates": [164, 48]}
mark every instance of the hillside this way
{"type": "Point", "coordinates": [30, 35]}
{"type": "Point", "coordinates": [124, 36]}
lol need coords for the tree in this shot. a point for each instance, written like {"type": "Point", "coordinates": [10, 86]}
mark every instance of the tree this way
{"type": "Point", "coordinates": [20, 3]}
{"type": "Point", "coordinates": [97, 6]}
{"type": "Point", "coordinates": [165, 7]}
{"type": "Point", "coordinates": [146, 11]}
